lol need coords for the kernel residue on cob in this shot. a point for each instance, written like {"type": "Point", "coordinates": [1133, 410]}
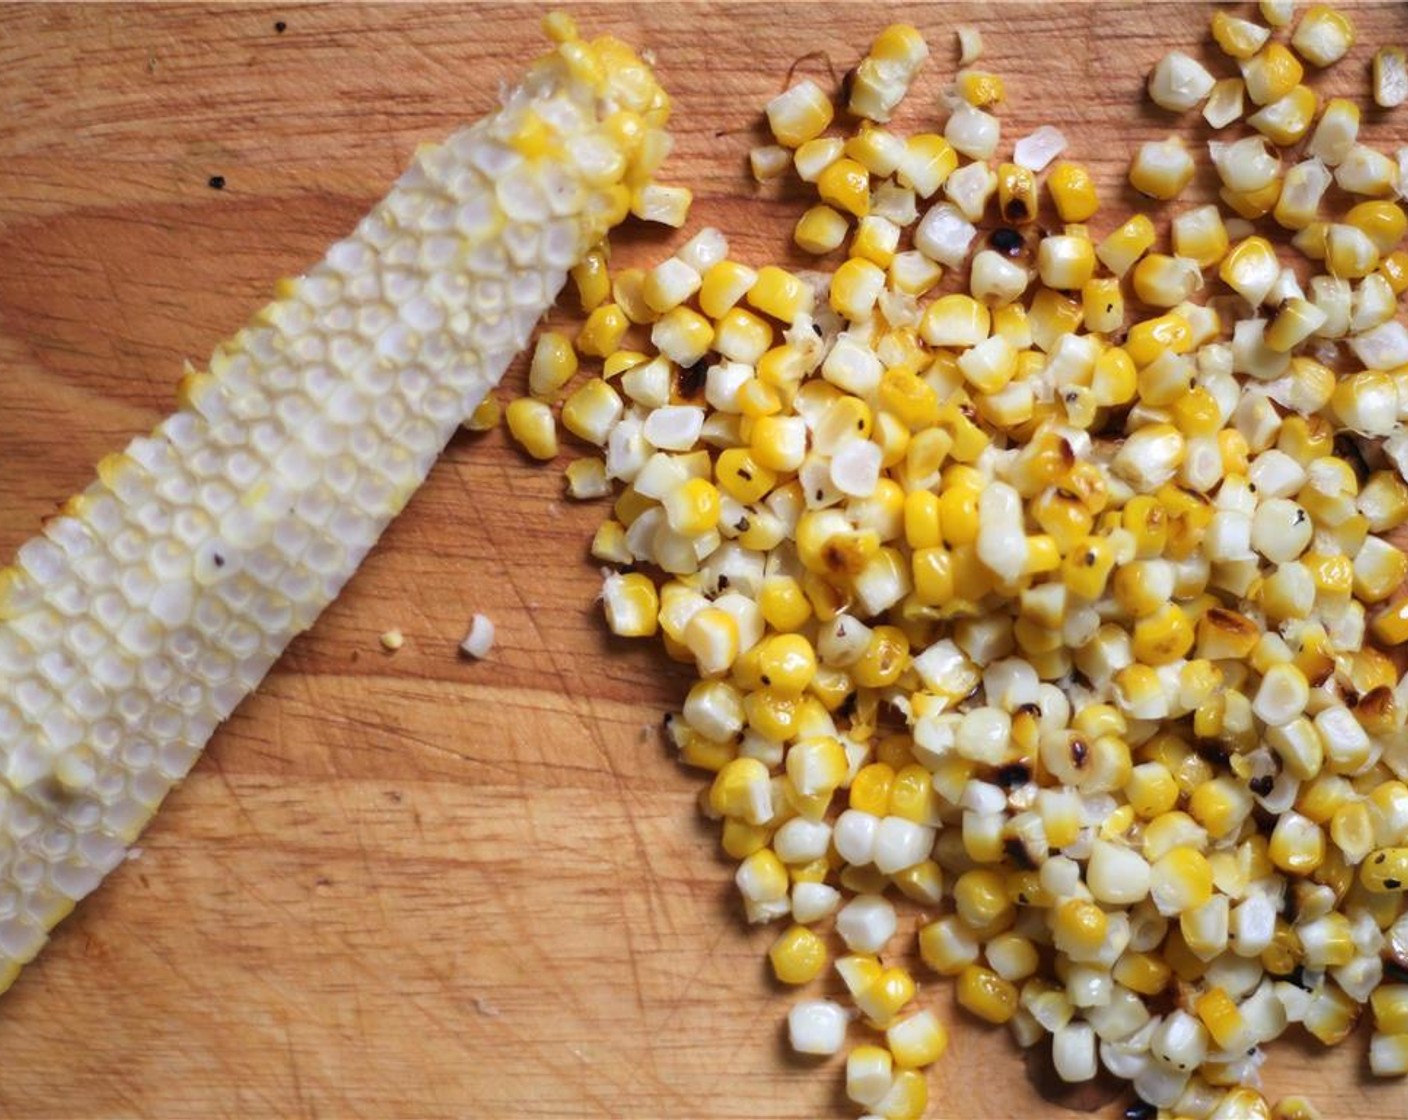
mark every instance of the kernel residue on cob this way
{"type": "Point", "coordinates": [164, 592]}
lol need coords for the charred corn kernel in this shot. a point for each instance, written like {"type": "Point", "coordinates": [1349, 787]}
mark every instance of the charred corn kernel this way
{"type": "Point", "coordinates": [1087, 567]}
{"type": "Point", "coordinates": [821, 230]}
{"type": "Point", "coordinates": [1142, 972]}
{"type": "Point", "coordinates": [1065, 262]}
{"type": "Point", "coordinates": [486, 416]}
{"type": "Point", "coordinates": [723, 285]}
{"type": "Point", "coordinates": [531, 424]}
{"type": "Point", "coordinates": [603, 331]}
{"type": "Point", "coordinates": [799, 113]}
{"type": "Point", "coordinates": [798, 956]}
{"type": "Point", "coordinates": [1390, 77]}
{"type": "Point", "coordinates": [778, 293]}
{"type": "Point", "coordinates": [1239, 38]}
{"type": "Point", "coordinates": [1271, 73]}
{"type": "Point", "coordinates": [1016, 194]}
{"type": "Point", "coordinates": [1124, 245]}
{"type": "Point", "coordinates": [1072, 191]}
{"type": "Point", "coordinates": [592, 280]}
{"type": "Point", "coordinates": [1161, 168]}
{"type": "Point", "coordinates": [845, 184]}
{"type": "Point", "coordinates": [1286, 120]}
{"type": "Point", "coordinates": [1385, 870]}
{"type": "Point", "coordinates": [986, 994]}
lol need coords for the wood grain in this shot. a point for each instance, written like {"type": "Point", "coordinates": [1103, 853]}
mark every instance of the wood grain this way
{"type": "Point", "coordinates": [410, 885]}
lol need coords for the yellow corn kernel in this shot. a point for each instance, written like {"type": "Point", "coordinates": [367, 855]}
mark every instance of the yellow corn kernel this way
{"type": "Point", "coordinates": [778, 293]}
{"type": "Point", "coordinates": [979, 88]}
{"type": "Point", "coordinates": [739, 839]}
{"type": "Point", "coordinates": [1123, 246]}
{"type": "Point", "coordinates": [603, 331]}
{"type": "Point", "coordinates": [1181, 880]}
{"type": "Point", "coordinates": [592, 280]}
{"type": "Point", "coordinates": [855, 286]}
{"type": "Point", "coordinates": [845, 184]}
{"type": "Point", "coordinates": [986, 994]}
{"type": "Point", "coordinates": [799, 114]}
{"type": "Point", "coordinates": [531, 424]}
{"type": "Point", "coordinates": [628, 292]}
{"type": "Point", "coordinates": [1385, 870]}
{"type": "Point", "coordinates": [798, 956]}
{"type": "Point", "coordinates": [1224, 1022]}
{"type": "Point", "coordinates": [1072, 191]}
{"type": "Point", "coordinates": [1271, 73]}
{"type": "Point", "coordinates": [1142, 972]}
{"type": "Point", "coordinates": [876, 240]}
{"type": "Point", "coordinates": [1079, 927]}
{"type": "Point", "coordinates": [820, 230]}
{"type": "Point", "coordinates": [884, 998]}
{"type": "Point", "coordinates": [1394, 269]}
{"type": "Point", "coordinates": [723, 285]}
{"type": "Point", "coordinates": [1102, 305]}
{"type": "Point", "coordinates": [1237, 37]}
{"type": "Point", "coordinates": [916, 1041]}
{"type": "Point", "coordinates": [1161, 169]}
{"type": "Point", "coordinates": [486, 416]}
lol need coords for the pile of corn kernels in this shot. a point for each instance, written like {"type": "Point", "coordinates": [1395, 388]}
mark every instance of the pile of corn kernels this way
{"type": "Point", "coordinates": [1059, 620]}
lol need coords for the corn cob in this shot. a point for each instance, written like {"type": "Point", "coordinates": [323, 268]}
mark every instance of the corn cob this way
{"type": "Point", "coordinates": [161, 595]}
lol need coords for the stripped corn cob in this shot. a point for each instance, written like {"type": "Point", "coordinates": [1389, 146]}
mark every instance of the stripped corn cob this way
{"type": "Point", "coordinates": [165, 591]}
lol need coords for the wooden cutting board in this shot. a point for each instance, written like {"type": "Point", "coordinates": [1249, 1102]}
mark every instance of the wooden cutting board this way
{"type": "Point", "coordinates": [408, 884]}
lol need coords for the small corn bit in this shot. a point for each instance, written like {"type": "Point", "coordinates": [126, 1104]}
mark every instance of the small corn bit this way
{"type": "Point", "coordinates": [164, 592]}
